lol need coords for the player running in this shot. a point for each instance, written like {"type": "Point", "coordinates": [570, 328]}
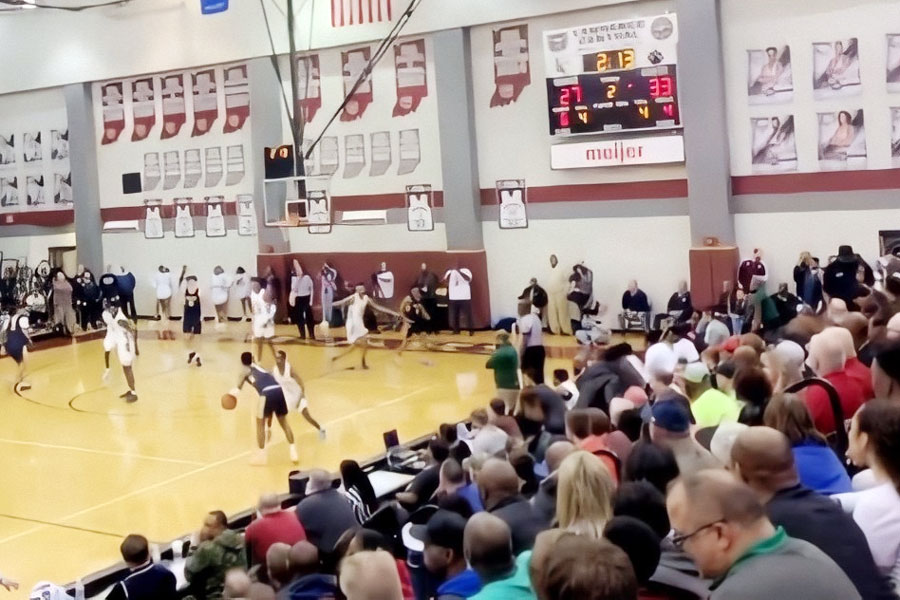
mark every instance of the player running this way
{"type": "Point", "coordinates": [111, 316]}
{"type": "Point", "coordinates": [15, 330]}
{"type": "Point", "coordinates": [271, 402]}
{"type": "Point", "coordinates": [127, 350]}
{"type": "Point", "coordinates": [357, 333]}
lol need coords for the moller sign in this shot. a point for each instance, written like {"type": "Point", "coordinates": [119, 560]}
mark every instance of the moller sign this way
{"type": "Point", "coordinates": [613, 153]}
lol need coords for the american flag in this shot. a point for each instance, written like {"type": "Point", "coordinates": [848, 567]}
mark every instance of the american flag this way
{"type": "Point", "coordinates": [359, 12]}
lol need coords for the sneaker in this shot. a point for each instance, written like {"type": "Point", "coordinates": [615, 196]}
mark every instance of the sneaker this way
{"type": "Point", "coordinates": [259, 459]}
{"type": "Point", "coordinates": [322, 434]}
{"type": "Point", "coordinates": [126, 394]}
{"type": "Point", "coordinates": [295, 458]}
{"type": "Point", "coordinates": [21, 386]}
{"type": "Point", "coordinates": [191, 357]}
{"type": "Point", "coordinates": [105, 376]}
{"type": "Point", "coordinates": [199, 364]}
{"type": "Point", "coordinates": [130, 397]}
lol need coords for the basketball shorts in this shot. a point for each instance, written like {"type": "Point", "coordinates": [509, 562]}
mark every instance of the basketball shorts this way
{"type": "Point", "coordinates": [272, 403]}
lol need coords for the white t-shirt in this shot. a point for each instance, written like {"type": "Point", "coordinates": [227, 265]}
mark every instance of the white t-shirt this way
{"type": "Point", "coordinates": [530, 327]}
{"type": "Point", "coordinates": [877, 512]}
{"type": "Point", "coordinates": [685, 349]}
{"type": "Point", "coordinates": [162, 282]}
{"type": "Point", "coordinates": [459, 288]}
{"type": "Point", "coordinates": [242, 285]}
{"type": "Point", "coordinates": [385, 281]}
{"type": "Point", "coordinates": [218, 288]}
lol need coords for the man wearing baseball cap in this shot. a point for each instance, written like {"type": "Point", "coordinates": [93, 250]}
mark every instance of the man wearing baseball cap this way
{"type": "Point", "coordinates": [670, 427]}
{"type": "Point", "coordinates": [444, 557]}
{"type": "Point", "coordinates": [708, 405]}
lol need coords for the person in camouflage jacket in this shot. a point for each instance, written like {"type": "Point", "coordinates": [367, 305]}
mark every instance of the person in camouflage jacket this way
{"type": "Point", "coordinates": [219, 550]}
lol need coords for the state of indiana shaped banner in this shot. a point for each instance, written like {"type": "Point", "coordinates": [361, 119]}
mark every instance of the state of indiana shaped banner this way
{"type": "Point", "coordinates": [360, 12]}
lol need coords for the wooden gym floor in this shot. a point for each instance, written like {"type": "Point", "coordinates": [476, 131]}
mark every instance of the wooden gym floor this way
{"type": "Point", "coordinates": [81, 469]}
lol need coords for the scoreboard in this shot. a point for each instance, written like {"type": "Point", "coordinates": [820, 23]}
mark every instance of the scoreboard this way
{"type": "Point", "coordinates": [613, 77]}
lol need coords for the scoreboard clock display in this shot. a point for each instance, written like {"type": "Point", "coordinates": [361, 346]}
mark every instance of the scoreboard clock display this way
{"type": "Point", "coordinates": [279, 162]}
{"type": "Point", "coordinates": [608, 101]}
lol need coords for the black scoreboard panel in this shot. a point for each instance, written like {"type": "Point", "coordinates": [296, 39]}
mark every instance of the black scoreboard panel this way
{"type": "Point", "coordinates": [605, 102]}
{"type": "Point", "coordinates": [279, 162]}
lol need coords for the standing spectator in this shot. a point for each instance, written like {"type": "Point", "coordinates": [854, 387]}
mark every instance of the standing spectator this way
{"type": "Point", "coordinates": [505, 364]}
{"type": "Point", "coordinates": [708, 405]}
{"type": "Point", "coordinates": [273, 525]}
{"type": "Point", "coordinates": [671, 428]}
{"type": "Point", "coordinates": [583, 568]}
{"type": "Point", "coordinates": [584, 495]}
{"type": "Point", "coordinates": [125, 283]}
{"type": "Point", "coordinates": [324, 512]}
{"type": "Point", "coordinates": [532, 344]}
{"type": "Point", "coordinates": [219, 550]}
{"type": "Point", "coordinates": [536, 296]}
{"type": "Point", "coordinates": [358, 490]}
{"type": "Point", "coordinates": [145, 581]}
{"type": "Point", "coordinates": [764, 461]}
{"type": "Point", "coordinates": [808, 279]}
{"type": "Point", "coordinates": [487, 543]}
{"type": "Point", "coordinates": [427, 282]}
{"type": "Point", "coordinates": [459, 293]}
{"type": "Point", "coordinates": [444, 556]}
{"type": "Point", "coordinates": [557, 302]}
{"type": "Point", "coordinates": [300, 299]}
{"type": "Point", "coordinates": [63, 312]}
{"type": "Point", "coordinates": [720, 523]}
{"type": "Point", "coordinates": [839, 278]}
{"type": "Point", "coordinates": [499, 487]}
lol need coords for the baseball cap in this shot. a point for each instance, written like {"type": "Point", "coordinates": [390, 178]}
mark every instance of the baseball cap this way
{"type": "Point", "coordinates": [695, 372]}
{"type": "Point", "coordinates": [445, 529]}
{"type": "Point", "coordinates": [671, 416]}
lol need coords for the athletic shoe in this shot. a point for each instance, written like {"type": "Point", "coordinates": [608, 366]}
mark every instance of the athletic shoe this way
{"type": "Point", "coordinates": [130, 397]}
{"type": "Point", "coordinates": [21, 386]}
{"type": "Point", "coordinates": [322, 434]}
{"type": "Point", "coordinates": [105, 376]}
{"type": "Point", "coordinates": [199, 364]}
{"type": "Point", "coordinates": [259, 459]}
{"type": "Point", "coordinates": [294, 457]}
{"type": "Point", "coordinates": [191, 356]}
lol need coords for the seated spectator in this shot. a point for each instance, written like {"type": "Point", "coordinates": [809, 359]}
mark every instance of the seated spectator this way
{"type": "Point", "coordinates": [489, 439]}
{"type": "Point", "coordinates": [472, 466]}
{"type": "Point", "coordinates": [426, 482]}
{"type": "Point", "coordinates": [720, 523]}
{"type": "Point", "coordinates": [886, 372]}
{"type": "Point", "coordinates": [680, 306]}
{"type": "Point", "coordinates": [237, 584]}
{"type": "Point", "coordinates": [544, 501]}
{"type": "Point", "coordinates": [499, 416]}
{"type": "Point", "coordinates": [565, 387]}
{"type": "Point", "coordinates": [639, 542]}
{"type": "Point", "coordinates": [578, 431]}
{"type": "Point", "coordinates": [358, 490]}
{"type": "Point", "coordinates": [708, 405]}
{"type": "Point", "coordinates": [818, 467]}
{"type": "Point", "coordinates": [875, 443]}
{"type": "Point", "coordinates": [615, 440]}
{"type": "Point", "coordinates": [722, 440]}
{"type": "Point", "coordinates": [585, 568]}
{"type": "Point", "coordinates": [641, 500]}
{"type": "Point", "coordinates": [278, 566]}
{"type": "Point", "coordinates": [145, 580]}
{"type": "Point", "coordinates": [272, 525]}
{"type": "Point", "coordinates": [524, 465]}
{"type": "Point", "coordinates": [370, 575]}
{"type": "Point", "coordinates": [505, 364]}
{"type": "Point", "coordinates": [789, 362]}
{"type": "Point", "coordinates": [444, 556]}
{"type": "Point", "coordinates": [827, 358]}
{"type": "Point", "coordinates": [584, 495]}
{"type": "Point", "coordinates": [308, 582]}
{"type": "Point", "coordinates": [852, 366]}
{"type": "Point", "coordinates": [488, 548]}
{"type": "Point", "coordinates": [499, 487]}
{"type": "Point", "coordinates": [670, 428]}
{"type": "Point", "coordinates": [631, 422]}
{"type": "Point", "coordinates": [459, 449]}
{"type": "Point", "coordinates": [219, 550]}
{"type": "Point", "coordinates": [369, 540]}
{"type": "Point", "coordinates": [324, 512]}
{"type": "Point", "coordinates": [635, 308]}
{"type": "Point", "coordinates": [652, 463]}
{"type": "Point", "coordinates": [616, 407]}
{"type": "Point", "coordinates": [753, 388]}
{"type": "Point", "coordinates": [451, 478]}
{"type": "Point", "coordinates": [763, 460]}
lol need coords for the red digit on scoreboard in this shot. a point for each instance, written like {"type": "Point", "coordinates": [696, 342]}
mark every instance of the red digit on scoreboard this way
{"type": "Point", "coordinates": [661, 87]}
{"type": "Point", "coordinates": [565, 97]}
{"type": "Point", "coordinates": [563, 119]}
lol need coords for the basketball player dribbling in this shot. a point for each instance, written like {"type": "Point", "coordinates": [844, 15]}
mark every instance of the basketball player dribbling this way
{"type": "Point", "coordinates": [271, 402]}
{"type": "Point", "coordinates": [263, 324]}
{"type": "Point", "coordinates": [357, 333]}
{"type": "Point", "coordinates": [111, 316]}
{"type": "Point", "coordinates": [292, 386]}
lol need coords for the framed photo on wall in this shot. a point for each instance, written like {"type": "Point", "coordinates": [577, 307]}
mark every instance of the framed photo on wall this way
{"type": "Point", "coordinates": [893, 62]}
{"type": "Point", "coordinates": [895, 136]}
{"type": "Point", "coordinates": [419, 200]}
{"type": "Point", "coordinates": [770, 79]}
{"type": "Point", "coordinates": [842, 140]}
{"type": "Point", "coordinates": [511, 199]}
{"type": "Point", "coordinates": [773, 147]}
{"type": "Point", "coordinates": [836, 69]}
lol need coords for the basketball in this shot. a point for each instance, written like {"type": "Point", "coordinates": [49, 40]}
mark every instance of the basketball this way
{"type": "Point", "coordinates": [228, 401]}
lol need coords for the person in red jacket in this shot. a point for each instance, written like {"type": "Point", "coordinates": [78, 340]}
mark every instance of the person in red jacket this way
{"type": "Point", "coordinates": [827, 359]}
{"type": "Point", "coordinates": [271, 525]}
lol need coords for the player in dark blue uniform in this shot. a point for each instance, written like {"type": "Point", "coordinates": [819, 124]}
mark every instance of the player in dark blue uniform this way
{"type": "Point", "coordinates": [16, 344]}
{"type": "Point", "coordinates": [271, 402]}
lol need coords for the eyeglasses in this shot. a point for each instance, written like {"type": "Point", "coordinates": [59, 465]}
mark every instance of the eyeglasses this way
{"type": "Point", "coordinates": [678, 539]}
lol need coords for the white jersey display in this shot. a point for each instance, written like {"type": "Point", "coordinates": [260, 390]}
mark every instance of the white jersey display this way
{"type": "Point", "coordinates": [184, 222]}
{"type": "Point", "coordinates": [218, 288]}
{"type": "Point", "coordinates": [153, 225]}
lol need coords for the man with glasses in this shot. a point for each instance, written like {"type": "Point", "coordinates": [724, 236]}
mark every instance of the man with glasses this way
{"type": "Point", "coordinates": [723, 526]}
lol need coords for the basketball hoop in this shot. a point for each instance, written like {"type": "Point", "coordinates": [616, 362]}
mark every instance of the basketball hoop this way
{"type": "Point", "coordinates": [299, 202]}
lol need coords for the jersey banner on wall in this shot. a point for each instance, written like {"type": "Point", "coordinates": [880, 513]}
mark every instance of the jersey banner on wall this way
{"type": "Point", "coordinates": [512, 69]}
{"type": "Point", "coordinates": [246, 215]}
{"type": "Point", "coordinates": [143, 108]}
{"type": "Point", "coordinates": [319, 211]}
{"type": "Point", "coordinates": [215, 216]}
{"type": "Point", "coordinates": [153, 225]}
{"type": "Point", "coordinates": [237, 98]}
{"type": "Point", "coordinates": [309, 91]}
{"type": "Point", "coordinates": [184, 218]}
{"type": "Point", "coordinates": [353, 63]}
{"type": "Point", "coordinates": [206, 106]}
{"type": "Point", "coordinates": [173, 108]}
{"type": "Point", "coordinates": [410, 68]}
{"type": "Point", "coordinates": [418, 208]}
{"type": "Point", "coordinates": [113, 112]}
{"type": "Point", "coordinates": [511, 200]}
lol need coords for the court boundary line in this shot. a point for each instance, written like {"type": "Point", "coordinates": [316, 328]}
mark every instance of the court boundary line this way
{"type": "Point", "coordinates": [194, 463]}
{"type": "Point", "coordinates": [51, 524]}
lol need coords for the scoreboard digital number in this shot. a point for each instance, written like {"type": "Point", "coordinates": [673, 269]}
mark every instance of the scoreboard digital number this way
{"type": "Point", "coordinates": [279, 162]}
{"type": "Point", "coordinates": [610, 96]}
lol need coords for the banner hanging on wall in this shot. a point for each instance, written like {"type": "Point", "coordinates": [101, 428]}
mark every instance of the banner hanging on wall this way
{"type": "Point", "coordinates": [184, 218]}
{"type": "Point", "coordinates": [215, 216]}
{"type": "Point", "coordinates": [614, 153]}
{"type": "Point", "coordinates": [309, 92]}
{"type": "Point", "coordinates": [410, 76]}
{"type": "Point", "coordinates": [246, 215]}
{"type": "Point", "coordinates": [319, 211]}
{"type": "Point", "coordinates": [511, 197]}
{"type": "Point", "coordinates": [512, 64]}
{"type": "Point", "coordinates": [419, 200]}
{"type": "Point", "coordinates": [353, 62]}
{"type": "Point", "coordinates": [153, 225]}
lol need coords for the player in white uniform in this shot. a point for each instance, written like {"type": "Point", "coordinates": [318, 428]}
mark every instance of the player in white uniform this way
{"type": "Point", "coordinates": [263, 318]}
{"type": "Point", "coordinates": [127, 350]}
{"type": "Point", "coordinates": [242, 290]}
{"type": "Point", "coordinates": [218, 292]}
{"type": "Point", "coordinates": [163, 284]}
{"type": "Point", "coordinates": [292, 386]}
{"type": "Point", "coordinates": [111, 315]}
{"type": "Point", "coordinates": [357, 333]}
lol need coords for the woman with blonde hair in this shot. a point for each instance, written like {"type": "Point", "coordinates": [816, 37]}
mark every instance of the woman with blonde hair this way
{"type": "Point", "coordinates": [584, 495]}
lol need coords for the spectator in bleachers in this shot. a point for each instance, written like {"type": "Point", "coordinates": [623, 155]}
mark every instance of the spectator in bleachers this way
{"type": "Point", "coordinates": [653, 463]}
{"type": "Point", "coordinates": [277, 565]}
{"type": "Point", "coordinates": [639, 543]}
{"type": "Point", "coordinates": [671, 428]}
{"type": "Point", "coordinates": [237, 584]}
{"type": "Point", "coordinates": [459, 450]}
{"type": "Point", "coordinates": [635, 308]}
{"type": "Point", "coordinates": [827, 358]}
{"type": "Point", "coordinates": [308, 582]}
{"type": "Point", "coordinates": [584, 495]}
{"type": "Point", "coordinates": [369, 540]}
{"type": "Point", "coordinates": [325, 513]}
{"type": "Point", "coordinates": [426, 482]}
{"type": "Point", "coordinates": [219, 550]}
{"type": "Point", "coordinates": [370, 575]}
{"type": "Point", "coordinates": [271, 525]}
{"type": "Point", "coordinates": [551, 405]}
{"type": "Point", "coordinates": [708, 405]}
{"type": "Point", "coordinates": [886, 372]}
{"type": "Point", "coordinates": [358, 490]}
{"type": "Point", "coordinates": [505, 364]}
{"type": "Point", "coordinates": [753, 388]}
{"type": "Point", "coordinates": [763, 459]}
{"type": "Point", "coordinates": [488, 548]}
{"type": "Point", "coordinates": [469, 492]}
{"type": "Point", "coordinates": [787, 361]}
{"type": "Point", "coordinates": [565, 387]}
{"type": "Point", "coordinates": [499, 416]}
{"type": "Point", "coordinates": [854, 368]}
{"type": "Point", "coordinates": [544, 501]}
{"type": "Point", "coordinates": [586, 568]}
{"type": "Point", "coordinates": [145, 580]}
{"type": "Point", "coordinates": [720, 523]}
{"type": "Point", "coordinates": [451, 479]}
{"type": "Point", "coordinates": [499, 487]}
{"type": "Point", "coordinates": [641, 500]}
{"type": "Point", "coordinates": [444, 557]}
{"type": "Point", "coordinates": [578, 431]}
{"type": "Point", "coordinates": [260, 591]}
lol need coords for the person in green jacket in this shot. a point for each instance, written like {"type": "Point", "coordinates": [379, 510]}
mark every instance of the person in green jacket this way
{"type": "Point", "coordinates": [487, 545]}
{"type": "Point", "coordinates": [220, 549]}
{"type": "Point", "coordinates": [505, 363]}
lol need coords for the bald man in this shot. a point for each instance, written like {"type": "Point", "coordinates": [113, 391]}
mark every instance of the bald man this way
{"type": "Point", "coordinates": [260, 591]}
{"type": "Point", "coordinates": [370, 575]}
{"type": "Point", "coordinates": [237, 584]}
{"type": "Point", "coordinates": [723, 526]}
{"type": "Point", "coordinates": [271, 525]}
{"type": "Point", "coordinates": [498, 485]}
{"type": "Point", "coordinates": [487, 545]}
{"type": "Point", "coordinates": [544, 501]}
{"type": "Point", "coordinates": [278, 565]}
{"type": "Point", "coordinates": [827, 357]}
{"type": "Point", "coordinates": [763, 459]}
{"type": "Point", "coordinates": [307, 581]}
